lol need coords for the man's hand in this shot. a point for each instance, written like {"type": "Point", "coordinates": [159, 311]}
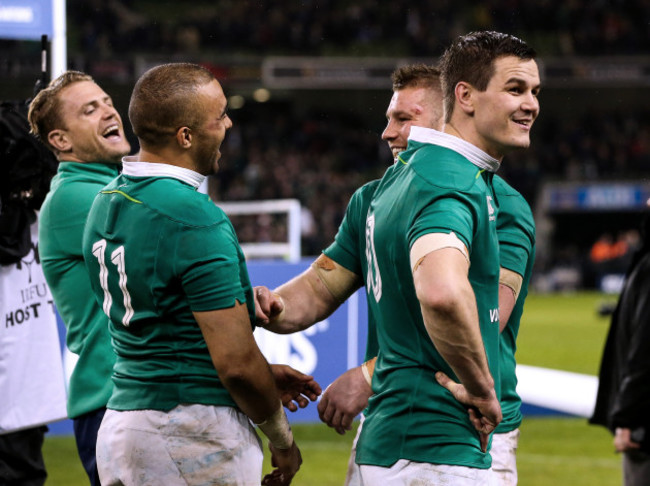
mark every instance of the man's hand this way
{"type": "Point", "coordinates": [295, 388]}
{"type": "Point", "coordinates": [286, 463]}
{"type": "Point", "coordinates": [623, 442]}
{"type": "Point", "coordinates": [267, 305]}
{"type": "Point", "coordinates": [484, 412]}
{"type": "Point", "coordinates": [344, 399]}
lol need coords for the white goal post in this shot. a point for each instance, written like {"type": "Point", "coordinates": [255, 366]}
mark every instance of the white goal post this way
{"type": "Point", "coordinates": [289, 250]}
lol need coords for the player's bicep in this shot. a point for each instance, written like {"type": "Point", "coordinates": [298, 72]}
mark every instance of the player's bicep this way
{"type": "Point", "coordinates": [228, 334]}
{"type": "Point", "coordinates": [440, 275]}
{"type": "Point", "coordinates": [446, 215]}
{"type": "Point", "coordinates": [340, 282]}
{"type": "Point", "coordinates": [432, 242]}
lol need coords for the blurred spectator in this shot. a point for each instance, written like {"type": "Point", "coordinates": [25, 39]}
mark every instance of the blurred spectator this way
{"type": "Point", "coordinates": [609, 256]}
{"type": "Point", "coordinates": [603, 249]}
{"type": "Point", "coordinates": [623, 396]}
{"type": "Point", "coordinates": [331, 27]}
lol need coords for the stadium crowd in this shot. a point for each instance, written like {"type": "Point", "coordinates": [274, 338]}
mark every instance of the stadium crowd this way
{"type": "Point", "coordinates": [577, 27]}
{"type": "Point", "coordinates": [322, 160]}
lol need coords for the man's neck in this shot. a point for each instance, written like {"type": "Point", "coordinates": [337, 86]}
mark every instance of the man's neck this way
{"type": "Point", "coordinates": [468, 133]}
{"type": "Point", "coordinates": [165, 155]}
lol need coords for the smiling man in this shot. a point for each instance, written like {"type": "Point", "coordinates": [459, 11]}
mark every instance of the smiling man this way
{"type": "Point", "coordinates": [165, 262]}
{"type": "Point", "coordinates": [416, 100]}
{"type": "Point", "coordinates": [433, 273]}
{"type": "Point", "coordinates": [76, 119]}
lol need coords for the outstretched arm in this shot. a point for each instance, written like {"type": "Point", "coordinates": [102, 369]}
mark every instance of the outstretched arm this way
{"type": "Point", "coordinates": [306, 299]}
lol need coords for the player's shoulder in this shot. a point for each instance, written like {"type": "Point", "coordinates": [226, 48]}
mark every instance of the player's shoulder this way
{"type": "Point", "coordinates": [434, 160]}
{"type": "Point", "coordinates": [501, 187]}
{"type": "Point", "coordinates": [72, 196]}
{"type": "Point", "coordinates": [366, 191]}
{"type": "Point", "coordinates": [509, 198]}
{"type": "Point", "coordinates": [180, 202]}
{"type": "Point", "coordinates": [446, 169]}
{"type": "Point", "coordinates": [514, 210]}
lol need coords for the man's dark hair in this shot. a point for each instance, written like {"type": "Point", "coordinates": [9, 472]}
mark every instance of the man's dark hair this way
{"type": "Point", "coordinates": [471, 57]}
{"type": "Point", "coordinates": [164, 100]}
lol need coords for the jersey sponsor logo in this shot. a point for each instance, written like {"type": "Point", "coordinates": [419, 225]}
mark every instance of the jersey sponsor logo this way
{"type": "Point", "coordinates": [373, 282]}
{"type": "Point", "coordinates": [490, 208]}
{"type": "Point", "coordinates": [494, 315]}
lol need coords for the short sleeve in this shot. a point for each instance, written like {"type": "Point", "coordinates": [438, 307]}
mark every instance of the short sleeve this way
{"type": "Point", "coordinates": [210, 270]}
{"type": "Point", "coordinates": [452, 212]}
{"type": "Point", "coordinates": [515, 232]}
{"type": "Point", "coordinates": [348, 245]}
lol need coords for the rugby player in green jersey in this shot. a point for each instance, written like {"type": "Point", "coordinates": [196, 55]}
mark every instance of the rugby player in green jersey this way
{"type": "Point", "coordinates": [341, 270]}
{"type": "Point", "coordinates": [524, 118]}
{"type": "Point", "coordinates": [167, 268]}
{"type": "Point", "coordinates": [78, 122]}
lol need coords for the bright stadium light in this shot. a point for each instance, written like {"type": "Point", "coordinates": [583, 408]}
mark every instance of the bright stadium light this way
{"type": "Point", "coordinates": [236, 102]}
{"type": "Point", "coordinates": [261, 95]}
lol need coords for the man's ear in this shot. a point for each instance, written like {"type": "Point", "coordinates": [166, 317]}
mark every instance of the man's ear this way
{"type": "Point", "coordinates": [464, 97]}
{"type": "Point", "coordinates": [184, 137]}
{"type": "Point", "coordinates": [59, 140]}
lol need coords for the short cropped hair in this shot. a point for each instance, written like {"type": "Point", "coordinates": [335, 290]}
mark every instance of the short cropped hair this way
{"type": "Point", "coordinates": [416, 76]}
{"type": "Point", "coordinates": [44, 111]}
{"type": "Point", "coordinates": [471, 58]}
{"type": "Point", "coordinates": [164, 100]}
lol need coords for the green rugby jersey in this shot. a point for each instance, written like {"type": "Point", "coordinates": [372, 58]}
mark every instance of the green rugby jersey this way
{"type": "Point", "coordinates": [60, 231]}
{"type": "Point", "coordinates": [157, 250]}
{"type": "Point", "coordinates": [444, 187]}
{"type": "Point", "coordinates": [349, 248]}
{"type": "Point", "coordinates": [516, 235]}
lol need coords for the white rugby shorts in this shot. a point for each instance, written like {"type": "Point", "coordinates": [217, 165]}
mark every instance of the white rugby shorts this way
{"type": "Point", "coordinates": [504, 457]}
{"type": "Point", "coordinates": [189, 445]}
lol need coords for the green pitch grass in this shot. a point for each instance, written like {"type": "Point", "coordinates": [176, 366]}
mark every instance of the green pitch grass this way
{"type": "Point", "coordinates": [558, 331]}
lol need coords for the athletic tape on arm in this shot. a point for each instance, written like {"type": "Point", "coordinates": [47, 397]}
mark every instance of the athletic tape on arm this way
{"type": "Point", "coordinates": [340, 281]}
{"type": "Point", "coordinates": [432, 242]}
{"type": "Point", "coordinates": [368, 369]}
{"type": "Point", "coordinates": [277, 429]}
{"type": "Point", "coordinates": [511, 280]}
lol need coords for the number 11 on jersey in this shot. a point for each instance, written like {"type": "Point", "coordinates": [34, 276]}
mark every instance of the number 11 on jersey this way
{"type": "Point", "coordinates": [117, 258]}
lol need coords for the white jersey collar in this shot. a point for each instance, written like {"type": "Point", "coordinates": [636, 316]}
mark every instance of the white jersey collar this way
{"type": "Point", "coordinates": [471, 152]}
{"type": "Point", "coordinates": [134, 168]}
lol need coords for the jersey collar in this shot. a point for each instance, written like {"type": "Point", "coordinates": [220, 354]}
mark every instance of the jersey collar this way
{"type": "Point", "coordinates": [134, 168]}
{"type": "Point", "coordinates": [471, 152]}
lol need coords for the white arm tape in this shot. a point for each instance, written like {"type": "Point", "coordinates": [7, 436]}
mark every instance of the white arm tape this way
{"type": "Point", "coordinates": [511, 280]}
{"type": "Point", "coordinates": [277, 429]}
{"type": "Point", "coordinates": [366, 373]}
{"type": "Point", "coordinates": [432, 242]}
{"type": "Point", "coordinates": [340, 281]}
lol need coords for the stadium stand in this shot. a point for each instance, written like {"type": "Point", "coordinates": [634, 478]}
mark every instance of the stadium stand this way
{"type": "Point", "coordinates": [319, 147]}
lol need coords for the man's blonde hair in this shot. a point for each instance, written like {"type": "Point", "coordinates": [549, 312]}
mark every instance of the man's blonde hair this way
{"type": "Point", "coordinates": [44, 110]}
